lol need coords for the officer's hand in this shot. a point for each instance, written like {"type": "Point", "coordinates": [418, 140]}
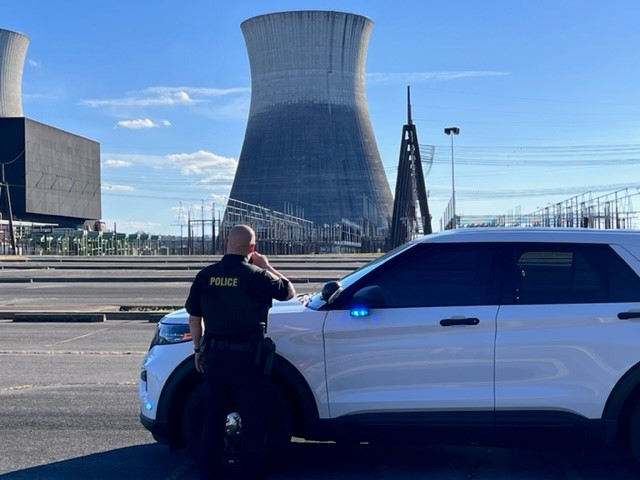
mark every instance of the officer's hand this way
{"type": "Point", "coordinates": [199, 363]}
{"type": "Point", "coordinates": [259, 260]}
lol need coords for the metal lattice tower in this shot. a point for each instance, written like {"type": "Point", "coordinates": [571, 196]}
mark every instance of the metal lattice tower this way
{"type": "Point", "coordinates": [410, 207]}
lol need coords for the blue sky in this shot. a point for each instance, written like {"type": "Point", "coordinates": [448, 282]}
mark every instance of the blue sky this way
{"type": "Point", "coordinates": [546, 94]}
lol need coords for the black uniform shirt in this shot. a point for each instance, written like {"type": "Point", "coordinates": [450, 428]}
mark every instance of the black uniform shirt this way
{"type": "Point", "coordinates": [234, 297]}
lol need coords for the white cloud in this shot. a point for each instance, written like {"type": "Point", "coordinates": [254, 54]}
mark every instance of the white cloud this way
{"type": "Point", "coordinates": [214, 167]}
{"type": "Point", "coordinates": [143, 123]}
{"type": "Point", "coordinates": [117, 163]}
{"type": "Point", "coordinates": [200, 91]}
{"type": "Point", "coordinates": [37, 96]}
{"type": "Point", "coordinates": [218, 199]}
{"type": "Point", "coordinates": [165, 96]}
{"type": "Point", "coordinates": [136, 225]}
{"type": "Point", "coordinates": [137, 159]}
{"type": "Point", "coordinates": [202, 169]}
{"type": "Point", "coordinates": [33, 63]}
{"type": "Point", "coordinates": [144, 100]}
{"type": "Point", "coordinates": [420, 77]}
{"type": "Point", "coordinates": [122, 188]}
{"type": "Point", "coordinates": [236, 108]}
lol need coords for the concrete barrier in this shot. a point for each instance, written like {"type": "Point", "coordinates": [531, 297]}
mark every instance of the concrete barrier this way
{"type": "Point", "coordinates": [59, 317]}
{"type": "Point", "coordinates": [82, 317]}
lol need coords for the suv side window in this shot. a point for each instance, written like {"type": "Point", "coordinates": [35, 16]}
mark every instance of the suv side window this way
{"type": "Point", "coordinates": [441, 275]}
{"type": "Point", "coordinates": [553, 274]}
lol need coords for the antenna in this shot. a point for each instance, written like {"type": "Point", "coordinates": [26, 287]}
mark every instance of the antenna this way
{"type": "Point", "coordinates": [409, 119]}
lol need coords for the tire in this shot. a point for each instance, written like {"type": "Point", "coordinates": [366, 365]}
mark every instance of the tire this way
{"type": "Point", "coordinates": [192, 421]}
{"type": "Point", "coordinates": [634, 432]}
{"type": "Point", "coordinates": [278, 429]}
{"type": "Point", "coordinates": [277, 432]}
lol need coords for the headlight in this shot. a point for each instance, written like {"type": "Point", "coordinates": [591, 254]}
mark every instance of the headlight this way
{"type": "Point", "coordinates": [167, 334]}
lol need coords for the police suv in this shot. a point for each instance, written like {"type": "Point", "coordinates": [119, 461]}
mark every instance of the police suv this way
{"type": "Point", "coordinates": [490, 336]}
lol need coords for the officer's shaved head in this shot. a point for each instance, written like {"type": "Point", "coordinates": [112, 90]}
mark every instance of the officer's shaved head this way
{"type": "Point", "coordinates": [241, 239]}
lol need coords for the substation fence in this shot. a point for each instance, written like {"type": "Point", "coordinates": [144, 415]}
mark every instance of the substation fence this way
{"type": "Point", "coordinates": [281, 233]}
{"type": "Point", "coordinates": [71, 242]}
{"type": "Point", "coordinates": [614, 210]}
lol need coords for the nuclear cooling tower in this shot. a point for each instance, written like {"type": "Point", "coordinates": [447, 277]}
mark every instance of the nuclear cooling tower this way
{"type": "Point", "coordinates": [309, 142]}
{"type": "Point", "coordinates": [13, 49]}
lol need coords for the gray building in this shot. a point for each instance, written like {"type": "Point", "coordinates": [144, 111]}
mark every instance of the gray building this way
{"type": "Point", "coordinates": [53, 176]}
{"type": "Point", "coordinates": [309, 147]}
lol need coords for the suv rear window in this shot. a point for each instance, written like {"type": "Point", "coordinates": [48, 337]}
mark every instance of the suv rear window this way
{"type": "Point", "coordinates": [573, 274]}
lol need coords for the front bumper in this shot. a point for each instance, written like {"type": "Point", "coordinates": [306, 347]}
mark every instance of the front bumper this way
{"type": "Point", "coordinates": [159, 429]}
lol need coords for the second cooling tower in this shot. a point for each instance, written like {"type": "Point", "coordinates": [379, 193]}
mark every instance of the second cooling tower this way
{"type": "Point", "coordinates": [13, 49]}
{"type": "Point", "coordinates": [309, 142]}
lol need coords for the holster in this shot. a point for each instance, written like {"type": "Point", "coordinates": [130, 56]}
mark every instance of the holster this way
{"type": "Point", "coordinates": [265, 354]}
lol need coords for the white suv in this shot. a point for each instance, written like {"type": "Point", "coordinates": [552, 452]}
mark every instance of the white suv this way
{"type": "Point", "coordinates": [473, 335]}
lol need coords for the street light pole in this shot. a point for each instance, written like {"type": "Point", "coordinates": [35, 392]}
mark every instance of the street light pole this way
{"type": "Point", "coordinates": [451, 131]}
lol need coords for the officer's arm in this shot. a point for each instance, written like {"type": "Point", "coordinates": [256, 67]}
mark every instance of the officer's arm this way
{"type": "Point", "coordinates": [292, 290]}
{"type": "Point", "coordinates": [196, 328]}
{"type": "Point", "coordinates": [262, 262]}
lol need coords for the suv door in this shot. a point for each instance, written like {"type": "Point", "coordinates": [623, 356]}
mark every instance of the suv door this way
{"type": "Point", "coordinates": [561, 344]}
{"type": "Point", "coordinates": [430, 346]}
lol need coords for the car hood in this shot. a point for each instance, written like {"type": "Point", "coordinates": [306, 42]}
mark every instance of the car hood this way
{"type": "Point", "coordinates": [289, 306]}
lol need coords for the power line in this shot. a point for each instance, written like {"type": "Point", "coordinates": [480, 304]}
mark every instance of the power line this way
{"type": "Point", "coordinates": [14, 160]}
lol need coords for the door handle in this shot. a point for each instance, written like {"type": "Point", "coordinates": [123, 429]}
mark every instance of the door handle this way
{"type": "Point", "coordinates": [448, 322]}
{"type": "Point", "coordinates": [628, 315]}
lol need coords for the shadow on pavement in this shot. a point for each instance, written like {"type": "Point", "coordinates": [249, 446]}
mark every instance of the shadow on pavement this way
{"type": "Point", "coordinates": [329, 461]}
{"type": "Point", "coordinates": [140, 462]}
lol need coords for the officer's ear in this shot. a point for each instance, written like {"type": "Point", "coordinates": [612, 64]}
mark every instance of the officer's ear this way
{"type": "Point", "coordinates": [252, 247]}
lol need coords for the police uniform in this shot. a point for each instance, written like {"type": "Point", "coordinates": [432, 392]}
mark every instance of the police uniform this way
{"type": "Point", "coordinates": [234, 297]}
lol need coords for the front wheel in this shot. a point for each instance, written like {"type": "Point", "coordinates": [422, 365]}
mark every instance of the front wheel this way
{"type": "Point", "coordinates": [277, 435]}
{"type": "Point", "coordinates": [634, 432]}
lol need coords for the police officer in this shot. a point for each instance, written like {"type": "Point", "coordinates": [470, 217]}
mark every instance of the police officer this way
{"type": "Point", "coordinates": [228, 305]}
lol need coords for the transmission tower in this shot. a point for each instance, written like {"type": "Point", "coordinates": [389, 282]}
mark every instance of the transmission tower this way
{"type": "Point", "coordinates": [410, 206]}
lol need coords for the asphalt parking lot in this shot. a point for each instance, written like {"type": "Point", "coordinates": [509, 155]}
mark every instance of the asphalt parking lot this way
{"type": "Point", "coordinates": [68, 407]}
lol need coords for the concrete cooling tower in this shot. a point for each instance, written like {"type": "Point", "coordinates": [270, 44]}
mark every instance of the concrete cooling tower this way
{"type": "Point", "coordinates": [13, 49]}
{"type": "Point", "coordinates": [309, 143]}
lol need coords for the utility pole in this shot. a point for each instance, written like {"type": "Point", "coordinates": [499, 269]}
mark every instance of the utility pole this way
{"type": "Point", "coordinates": [452, 131]}
{"type": "Point", "coordinates": [213, 228]}
{"type": "Point", "coordinates": [12, 235]}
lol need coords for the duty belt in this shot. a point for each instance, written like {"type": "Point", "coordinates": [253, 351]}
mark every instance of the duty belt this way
{"type": "Point", "coordinates": [235, 346]}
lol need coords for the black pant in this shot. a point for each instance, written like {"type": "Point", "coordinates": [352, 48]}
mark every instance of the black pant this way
{"type": "Point", "coordinates": [232, 378]}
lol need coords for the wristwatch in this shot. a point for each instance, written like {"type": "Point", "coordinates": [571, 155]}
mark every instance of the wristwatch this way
{"type": "Point", "coordinates": [197, 350]}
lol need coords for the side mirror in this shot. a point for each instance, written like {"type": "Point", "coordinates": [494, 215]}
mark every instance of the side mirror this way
{"type": "Point", "coordinates": [331, 290]}
{"type": "Point", "coordinates": [366, 298]}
